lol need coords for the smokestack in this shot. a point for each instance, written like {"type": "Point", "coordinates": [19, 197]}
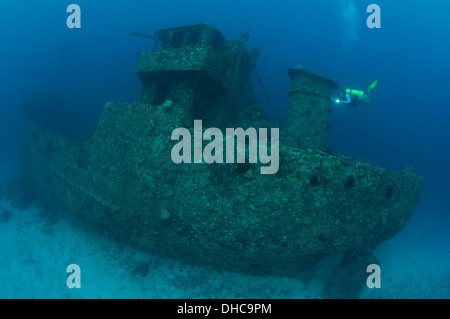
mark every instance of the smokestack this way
{"type": "Point", "coordinates": [309, 107]}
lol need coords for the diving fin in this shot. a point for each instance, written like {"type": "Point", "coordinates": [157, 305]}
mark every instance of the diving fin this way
{"type": "Point", "coordinates": [373, 83]}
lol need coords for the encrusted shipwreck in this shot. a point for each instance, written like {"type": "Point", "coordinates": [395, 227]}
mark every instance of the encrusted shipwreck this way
{"type": "Point", "coordinates": [124, 181]}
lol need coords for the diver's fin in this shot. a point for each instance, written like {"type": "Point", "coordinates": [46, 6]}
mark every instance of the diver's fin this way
{"type": "Point", "coordinates": [373, 83]}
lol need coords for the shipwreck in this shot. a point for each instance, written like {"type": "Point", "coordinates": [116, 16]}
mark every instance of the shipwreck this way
{"type": "Point", "coordinates": [122, 180]}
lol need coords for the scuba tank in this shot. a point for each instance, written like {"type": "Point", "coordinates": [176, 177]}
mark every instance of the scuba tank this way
{"type": "Point", "coordinates": [355, 92]}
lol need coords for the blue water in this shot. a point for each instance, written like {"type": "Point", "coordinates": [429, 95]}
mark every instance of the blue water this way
{"type": "Point", "coordinates": [406, 124]}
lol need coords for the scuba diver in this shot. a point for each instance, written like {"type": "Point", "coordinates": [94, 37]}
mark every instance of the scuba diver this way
{"type": "Point", "coordinates": [355, 97]}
